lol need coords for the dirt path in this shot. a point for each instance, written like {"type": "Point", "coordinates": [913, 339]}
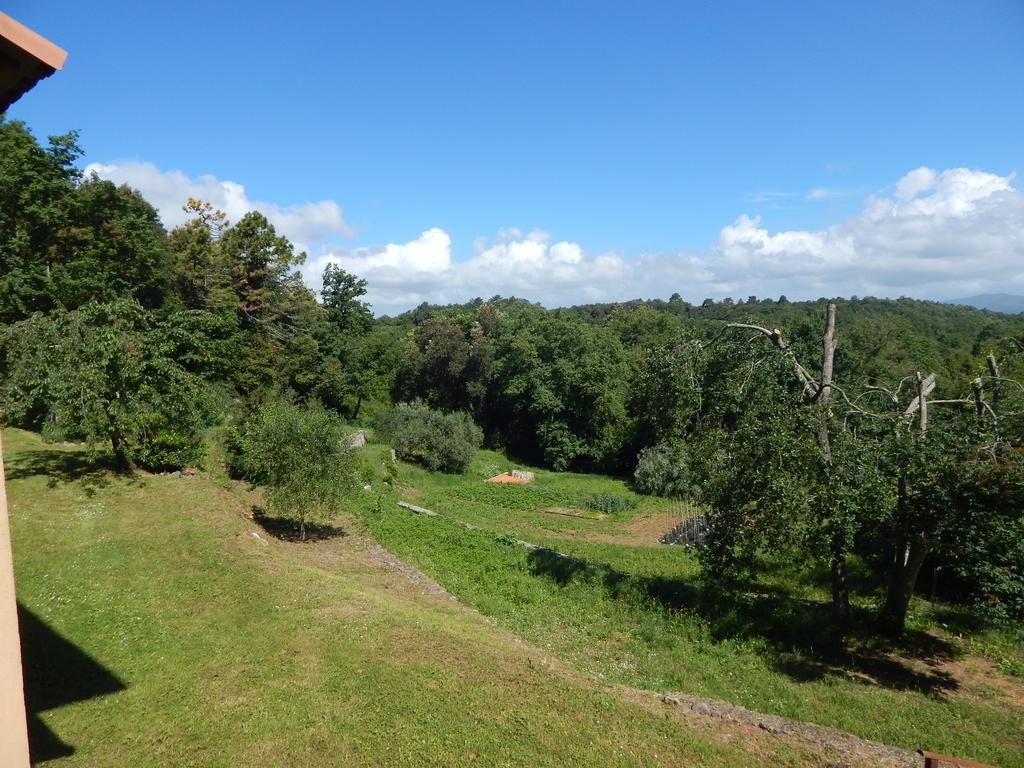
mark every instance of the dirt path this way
{"type": "Point", "coordinates": [377, 552]}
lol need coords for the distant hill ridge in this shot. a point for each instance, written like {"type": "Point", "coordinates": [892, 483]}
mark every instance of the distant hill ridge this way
{"type": "Point", "coordinates": [1007, 303]}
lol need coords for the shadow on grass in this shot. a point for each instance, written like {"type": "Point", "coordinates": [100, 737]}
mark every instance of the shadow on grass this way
{"type": "Point", "coordinates": [57, 672]}
{"type": "Point", "coordinates": [800, 638]}
{"type": "Point", "coordinates": [291, 530]}
{"type": "Point", "coordinates": [93, 470]}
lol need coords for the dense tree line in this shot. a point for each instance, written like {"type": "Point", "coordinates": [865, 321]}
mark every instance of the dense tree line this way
{"type": "Point", "coordinates": [118, 331]}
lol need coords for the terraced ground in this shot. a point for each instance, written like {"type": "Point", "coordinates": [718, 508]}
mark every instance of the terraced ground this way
{"type": "Point", "coordinates": [158, 630]}
{"type": "Point", "coordinates": [163, 627]}
{"type": "Point", "coordinates": [632, 611]}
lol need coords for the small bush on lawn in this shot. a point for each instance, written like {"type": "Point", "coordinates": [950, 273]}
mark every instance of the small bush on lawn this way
{"type": "Point", "coordinates": [170, 450]}
{"type": "Point", "coordinates": [302, 456]}
{"type": "Point", "coordinates": [663, 470]}
{"type": "Point", "coordinates": [437, 440]}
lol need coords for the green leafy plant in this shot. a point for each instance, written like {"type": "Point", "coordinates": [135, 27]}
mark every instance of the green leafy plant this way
{"type": "Point", "coordinates": [169, 449]}
{"type": "Point", "coordinates": [1011, 667]}
{"type": "Point", "coordinates": [301, 455]}
{"type": "Point", "coordinates": [509, 538]}
{"type": "Point", "coordinates": [663, 470]}
{"type": "Point", "coordinates": [608, 503]}
{"type": "Point", "coordinates": [440, 441]}
{"type": "Point", "coordinates": [105, 373]}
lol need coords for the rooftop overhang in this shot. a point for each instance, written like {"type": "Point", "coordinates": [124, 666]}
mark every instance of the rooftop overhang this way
{"type": "Point", "coordinates": [25, 59]}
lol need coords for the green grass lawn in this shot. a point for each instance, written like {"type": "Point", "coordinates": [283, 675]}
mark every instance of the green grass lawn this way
{"type": "Point", "coordinates": [633, 614]}
{"type": "Point", "coordinates": [498, 506]}
{"type": "Point", "coordinates": [158, 631]}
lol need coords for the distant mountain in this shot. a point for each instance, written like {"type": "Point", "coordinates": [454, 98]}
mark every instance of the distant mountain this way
{"type": "Point", "coordinates": [997, 302]}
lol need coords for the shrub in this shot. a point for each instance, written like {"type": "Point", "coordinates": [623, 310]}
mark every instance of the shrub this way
{"type": "Point", "coordinates": [663, 470]}
{"type": "Point", "coordinates": [608, 503]}
{"type": "Point", "coordinates": [509, 538]}
{"type": "Point", "coordinates": [169, 449]}
{"type": "Point", "coordinates": [302, 456]}
{"type": "Point", "coordinates": [437, 440]}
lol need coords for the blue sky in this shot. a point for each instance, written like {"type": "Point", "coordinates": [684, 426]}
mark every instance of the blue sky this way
{"type": "Point", "coordinates": [636, 133]}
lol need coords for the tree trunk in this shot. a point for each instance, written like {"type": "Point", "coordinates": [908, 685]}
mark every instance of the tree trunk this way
{"type": "Point", "coordinates": [120, 448]}
{"type": "Point", "coordinates": [907, 562]}
{"type": "Point", "coordinates": [993, 368]}
{"type": "Point", "coordinates": [922, 401]}
{"type": "Point", "coordinates": [840, 591]}
{"type": "Point", "coordinates": [979, 401]}
{"type": "Point", "coordinates": [911, 549]}
{"type": "Point", "coordinates": [828, 355]}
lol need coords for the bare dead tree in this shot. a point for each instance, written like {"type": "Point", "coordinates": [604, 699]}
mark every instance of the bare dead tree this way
{"type": "Point", "coordinates": [993, 368]}
{"type": "Point", "coordinates": [828, 355]}
{"type": "Point", "coordinates": [817, 392]}
{"type": "Point", "coordinates": [914, 543]}
{"type": "Point", "coordinates": [911, 420]}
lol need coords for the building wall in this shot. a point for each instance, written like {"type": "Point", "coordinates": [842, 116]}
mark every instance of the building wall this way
{"type": "Point", "coordinates": [13, 727]}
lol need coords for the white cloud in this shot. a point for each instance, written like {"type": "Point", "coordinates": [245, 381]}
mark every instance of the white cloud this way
{"type": "Point", "coordinates": [931, 234]}
{"type": "Point", "coordinates": [779, 198]}
{"type": "Point", "coordinates": [823, 193]}
{"type": "Point", "coordinates": [167, 191]}
{"type": "Point", "coordinates": [403, 275]}
{"type": "Point", "coordinates": [400, 276]}
{"type": "Point", "coordinates": [940, 234]}
{"type": "Point", "coordinates": [936, 235]}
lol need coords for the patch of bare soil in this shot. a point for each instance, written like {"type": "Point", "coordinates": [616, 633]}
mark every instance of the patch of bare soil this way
{"type": "Point", "coordinates": [571, 512]}
{"type": "Point", "coordinates": [653, 527]}
{"type": "Point", "coordinates": [507, 477]}
{"type": "Point", "coordinates": [644, 531]}
{"type": "Point", "coordinates": [978, 677]}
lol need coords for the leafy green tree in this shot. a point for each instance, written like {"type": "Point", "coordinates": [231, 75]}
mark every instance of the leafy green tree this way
{"type": "Point", "coordinates": [65, 241]}
{"type": "Point", "coordinates": [560, 390]}
{"type": "Point", "coordinates": [105, 372]}
{"type": "Point", "coordinates": [643, 328]}
{"type": "Point", "coordinates": [112, 246]}
{"type": "Point", "coordinates": [302, 456]}
{"type": "Point", "coordinates": [374, 364]}
{"type": "Point", "coordinates": [881, 348]}
{"type": "Point", "coordinates": [955, 465]}
{"type": "Point", "coordinates": [446, 364]}
{"type": "Point", "coordinates": [665, 392]}
{"type": "Point", "coordinates": [664, 470]}
{"type": "Point", "coordinates": [263, 275]}
{"type": "Point", "coordinates": [764, 455]}
{"type": "Point", "coordinates": [341, 297]}
{"type": "Point", "coordinates": [202, 274]}
{"type": "Point", "coordinates": [788, 471]}
{"type": "Point", "coordinates": [36, 186]}
{"type": "Point", "coordinates": [983, 542]}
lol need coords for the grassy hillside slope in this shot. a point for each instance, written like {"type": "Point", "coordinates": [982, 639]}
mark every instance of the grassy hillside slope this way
{"type": "Point", "coordinates": [628, 609]}
{"type": "Point", "coordinates": [159, 631]}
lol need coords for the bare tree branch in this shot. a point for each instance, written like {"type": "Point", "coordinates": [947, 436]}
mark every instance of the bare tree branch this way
{"type": "Point", "coordinates": [810, 387]}
{"type": "Point", "coordinates": [925, 388]}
